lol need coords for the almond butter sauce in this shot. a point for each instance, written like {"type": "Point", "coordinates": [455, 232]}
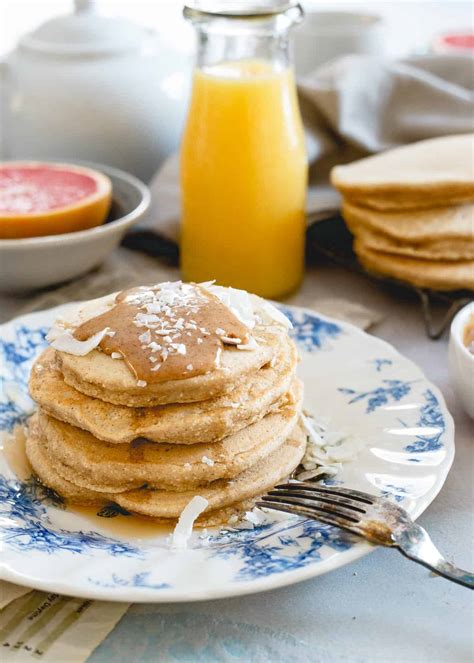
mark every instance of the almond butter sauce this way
{"type": "Point", "coordinates": [166, 332]}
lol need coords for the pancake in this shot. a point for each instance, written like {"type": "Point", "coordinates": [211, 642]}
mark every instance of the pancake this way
{"type": "Point", "coordinates": [166, 505]}
{"type": "Point", "coordinates": [189, 423]}
{"type": "Point", "coordinates": [98, 375]}
{"type": "Point", "coordinates": [443, 250]}
{"type": "Point", "coordinates": [43, 468]}
{"type": "Point", "coordinates": [84, 497]}
{"type": "Point", "coordinates": [451, 227]}
{"type": "Point", "coordinates": [90, 463]}
{"type": "Point", "coordinates": [438, 275]}
{"type": "Point", "coordinates": [252, 483]}
{"type": "Point", "coordinates": [425, 174]}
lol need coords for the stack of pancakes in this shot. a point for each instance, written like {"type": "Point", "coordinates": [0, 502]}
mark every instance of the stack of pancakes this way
{"type": "Point", "coordinates": [411, 210]}
{"type": "Point", "coordinates": [229, 434]}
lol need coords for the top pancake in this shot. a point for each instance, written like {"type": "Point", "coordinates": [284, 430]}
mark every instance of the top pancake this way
{"type": "Point", "coordinates": [424, 174]}
{"type": "Point", "coordinates": [98, 375]}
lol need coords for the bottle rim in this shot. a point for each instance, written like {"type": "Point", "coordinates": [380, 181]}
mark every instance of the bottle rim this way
{"type": "Point", "coordinates": [238, 10]}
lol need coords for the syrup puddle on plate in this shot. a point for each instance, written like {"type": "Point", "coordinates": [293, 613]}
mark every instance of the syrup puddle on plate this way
{"type": "Point", "coordinates": [12, 445]}
{"type": "Point", "coordinates": [111, 523]}
{"type": "Point", "coordinates": [122, 526]}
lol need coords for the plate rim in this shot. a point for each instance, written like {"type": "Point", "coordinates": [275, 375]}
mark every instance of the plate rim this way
{"type": "Point", "coordinates": [274, 581]}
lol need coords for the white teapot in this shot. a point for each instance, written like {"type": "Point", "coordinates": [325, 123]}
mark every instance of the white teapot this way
{"type": "Point", "coordinates": [85, 86]}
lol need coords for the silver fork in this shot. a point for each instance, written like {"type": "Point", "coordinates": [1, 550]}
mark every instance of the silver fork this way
{"type": "Point", "coordinates": [376, 519]}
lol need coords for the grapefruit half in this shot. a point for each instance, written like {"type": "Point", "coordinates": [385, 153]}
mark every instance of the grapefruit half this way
{"type": "Point", "coordinates": [50, 199]}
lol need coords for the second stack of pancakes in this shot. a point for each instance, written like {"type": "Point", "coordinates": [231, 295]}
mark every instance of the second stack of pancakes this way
{"type": "Point", "coordinates": [227, 431]}
{"type": "Point", "coordinates": [411, 211]}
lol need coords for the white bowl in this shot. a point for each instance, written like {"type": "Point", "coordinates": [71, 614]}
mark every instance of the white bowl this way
{"type": "Point", "coordinates": [35, 262]}
{"type": "Point", "coordinates": [461, 361]}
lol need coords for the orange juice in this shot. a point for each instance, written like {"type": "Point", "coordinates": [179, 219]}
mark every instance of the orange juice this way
{"type": "Point", "coordinates": [243, 177]}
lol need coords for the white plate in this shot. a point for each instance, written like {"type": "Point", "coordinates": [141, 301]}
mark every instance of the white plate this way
{"type": "Point", "coordinates": [357, 382]}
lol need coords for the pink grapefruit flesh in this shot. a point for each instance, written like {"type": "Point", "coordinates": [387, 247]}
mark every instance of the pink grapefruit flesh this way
{"type": "Point", "coordinates": [49, 199]}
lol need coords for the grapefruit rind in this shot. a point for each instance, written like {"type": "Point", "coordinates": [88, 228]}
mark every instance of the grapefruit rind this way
{"type": "Point", "coordinates": [87, 212]}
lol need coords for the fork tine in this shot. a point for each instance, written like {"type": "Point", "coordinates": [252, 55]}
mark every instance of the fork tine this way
{"type": "Point", "coordinates": [306, 512]}
{"type": "Point", "coordinates": [356, 495]}
{"type": "Point", "coordinates": [337, 500]}
{"type": "Point", "coordinates": [315, 505]}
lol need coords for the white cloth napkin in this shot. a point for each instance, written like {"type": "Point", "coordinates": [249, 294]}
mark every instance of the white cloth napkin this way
{"type": "Point", "coordinates": [359, 105]}
{"type": "Point", "coordinates": [351, 107]}
{"type": "Point", "coordinates": [52, 628]}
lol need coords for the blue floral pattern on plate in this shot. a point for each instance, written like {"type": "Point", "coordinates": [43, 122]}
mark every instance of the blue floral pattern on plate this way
{"type": "Point", "coordinates": [348, 376]}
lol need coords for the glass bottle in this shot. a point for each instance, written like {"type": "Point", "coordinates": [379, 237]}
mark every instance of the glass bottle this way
{"type": "Point", "coordinates": [243, 160]}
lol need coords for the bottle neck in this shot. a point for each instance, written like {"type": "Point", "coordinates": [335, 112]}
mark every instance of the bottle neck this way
{"type": "Point", "coordinates": [222, 39]}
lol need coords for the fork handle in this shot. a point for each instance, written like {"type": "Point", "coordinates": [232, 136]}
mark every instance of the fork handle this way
{"type": "Point", "coordinates": [445, 569]}
{"type": "Point", "coordinates": [417, 545]}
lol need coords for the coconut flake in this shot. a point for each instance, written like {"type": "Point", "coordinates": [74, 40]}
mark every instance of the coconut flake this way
{"type": "Point", "coordinates": [256, 517]}
{"type": "Point", "coordinates": [184, 527]}
{"type": "Point", "coordinates": [247, 307]}
{"type": "Point", "coordinates": [326, 451]}
{"type": "Point", "coordinates": [238, 301]}
{"type": "Point", "coordinates": [275, 314]}
{"type": "Point", "coordinates": [18, 397]}
{"type": "Point", "coordinates": [145, 337]}
{"type": "Point", "coordinates": [229, 340]}
{"type": "Point", "coordinates": [66, 342]}
{"type": "Point", "coordinates": [250, 345]}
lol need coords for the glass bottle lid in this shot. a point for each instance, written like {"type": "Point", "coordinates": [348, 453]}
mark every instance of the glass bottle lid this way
{"type": "Point", "coordinates": [240, 7]}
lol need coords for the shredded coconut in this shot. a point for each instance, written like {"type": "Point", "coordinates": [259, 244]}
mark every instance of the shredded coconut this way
{"type": "Point", "coordinates": [184, 527]}
{"type": "Point", "coordinates": [326, 450]}
{"type": "Point", "coordinates": [250, 345]}
{"type": "Point", "coordinates": [325, 454]}
{"type": "Point", "coordinates": [65, 342]}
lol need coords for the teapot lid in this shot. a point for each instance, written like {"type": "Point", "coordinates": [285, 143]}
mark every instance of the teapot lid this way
{"type": "Point", "coordinates": [84, 32]}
